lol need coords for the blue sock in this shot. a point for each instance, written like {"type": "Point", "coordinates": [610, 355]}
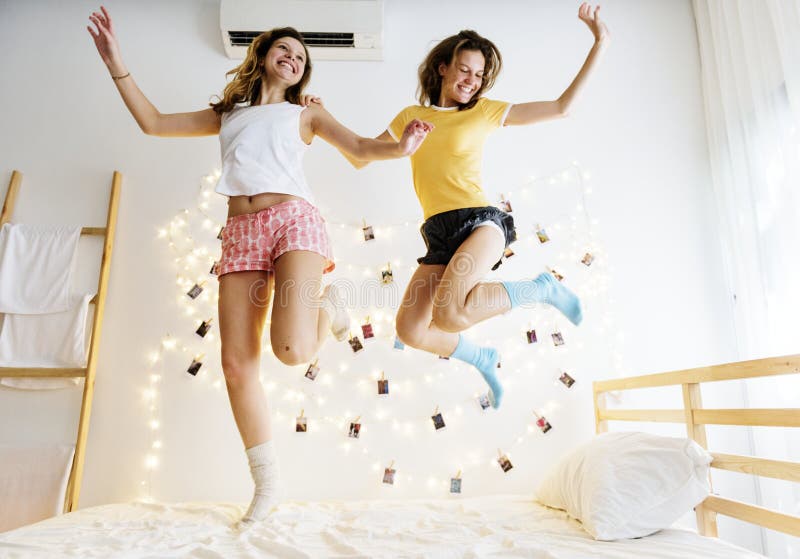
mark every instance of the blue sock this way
{"type": "Point", "coordinates": [545, 289]}
{"type": "Point", "coordinates": [484, 359]}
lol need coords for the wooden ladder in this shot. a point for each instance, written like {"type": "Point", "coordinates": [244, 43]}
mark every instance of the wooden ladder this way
{"type": "Point", "coordinates": [87, 373]}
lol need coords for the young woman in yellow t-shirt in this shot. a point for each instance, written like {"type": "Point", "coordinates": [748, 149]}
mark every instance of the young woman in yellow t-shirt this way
{"type": "Point", "coordinates": [464, 235]}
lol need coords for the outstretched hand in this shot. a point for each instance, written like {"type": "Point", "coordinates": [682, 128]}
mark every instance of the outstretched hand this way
{"type": "Point", "coordinates": [413, 135]}
{"type": "Point", "coordinates": [592, 19]}
{"type": "Point", "coordinates": [104, 38]}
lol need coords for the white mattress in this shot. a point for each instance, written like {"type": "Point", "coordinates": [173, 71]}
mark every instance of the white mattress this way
{"type": "Point", "coordinates": [502, 526]}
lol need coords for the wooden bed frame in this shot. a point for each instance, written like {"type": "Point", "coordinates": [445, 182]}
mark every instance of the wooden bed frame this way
{"type": "Point", "coordinates": [695, 417]}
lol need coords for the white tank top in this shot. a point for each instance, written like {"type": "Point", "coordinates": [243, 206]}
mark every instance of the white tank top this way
{"type": "Point", "coordinates": [262, 151]}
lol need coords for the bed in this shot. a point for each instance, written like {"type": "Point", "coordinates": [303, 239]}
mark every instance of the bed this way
{"type": "Point", "coordinates": [500, 526]}
{"type": "Point", "coordinates": [497, 526]}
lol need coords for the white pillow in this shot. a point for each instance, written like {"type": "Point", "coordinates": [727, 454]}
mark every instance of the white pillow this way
{"type": "Point", "coordinates": [628, 485]}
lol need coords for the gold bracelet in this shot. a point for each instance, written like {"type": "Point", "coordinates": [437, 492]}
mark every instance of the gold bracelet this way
{"type": "Point", "coordinates": [115, 78]}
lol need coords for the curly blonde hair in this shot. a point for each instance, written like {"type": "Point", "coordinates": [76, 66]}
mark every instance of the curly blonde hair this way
{"type": "Point", "coordinates": [246, 83]}
{"type": "Point", "coordinates": [430, 82]}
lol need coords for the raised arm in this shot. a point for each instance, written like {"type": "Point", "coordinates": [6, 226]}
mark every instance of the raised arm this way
{"type": "Point", "coordinates": [537, 111]}
{"type": "Point", "coordinates": [359, 150]}
{"type": "Point", "coordinates": [149, 119]}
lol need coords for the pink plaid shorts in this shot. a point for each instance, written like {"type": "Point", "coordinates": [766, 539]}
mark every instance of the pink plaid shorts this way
{"type": "Point", "coordinates": [254, 241]}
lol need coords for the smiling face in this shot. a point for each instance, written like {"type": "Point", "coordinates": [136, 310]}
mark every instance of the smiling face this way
{"type": "Point", "coordinates": [286, 60]}
{"type": "Point", "coordinates": [462, 78]}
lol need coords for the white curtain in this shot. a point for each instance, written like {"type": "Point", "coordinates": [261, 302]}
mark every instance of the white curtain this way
{"type": "Point", "coordinates": [750, 59]}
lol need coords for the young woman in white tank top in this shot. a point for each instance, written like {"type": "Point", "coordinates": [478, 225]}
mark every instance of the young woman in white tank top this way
{"type": "Point", "coordinates": [274, 240]}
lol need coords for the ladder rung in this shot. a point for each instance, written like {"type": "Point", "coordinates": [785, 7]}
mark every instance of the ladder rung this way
{"type": "Point", "coordinates": [100, 231]}
{"type": "Point", "coordinates": [22, 372]}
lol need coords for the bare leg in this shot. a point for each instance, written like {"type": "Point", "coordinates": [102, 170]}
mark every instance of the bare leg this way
{"type": "Point", "coordinates": [244, 298]}
{"type": "Point", "coordinates": [299, 324]}
{"type": "Point", "coordinates": [461, 299]}
{"type": "Point", "coordinates": [413, 323]}
{"type": "Point", "coordinates": [243, 301]}
{"type": "Point", "coordinates": [454, 300]}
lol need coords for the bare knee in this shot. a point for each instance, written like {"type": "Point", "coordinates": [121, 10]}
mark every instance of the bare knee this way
{"type": "Point", "coordinates": [450, 318]}
{"type": "Point", "coordinates": [411, 333]}
{"type": "Point", "coordinates": [239, 369]}
{"type": "Point", "coordinates": [293, 353]}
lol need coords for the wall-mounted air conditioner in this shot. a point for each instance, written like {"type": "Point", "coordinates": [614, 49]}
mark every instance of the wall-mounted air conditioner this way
{"type": "Point", "coordinates": [333, 29]}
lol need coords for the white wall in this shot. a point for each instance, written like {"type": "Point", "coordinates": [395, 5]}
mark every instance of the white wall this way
{"type": "Point", "coordinates": [638, 130]}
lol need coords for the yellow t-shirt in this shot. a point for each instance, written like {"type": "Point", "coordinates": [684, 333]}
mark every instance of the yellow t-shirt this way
{"type": "Point", "coordinates": [447, 166]}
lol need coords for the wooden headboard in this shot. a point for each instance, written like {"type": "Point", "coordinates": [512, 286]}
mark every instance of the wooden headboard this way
{"type": "Point", "coordinates": [696, 417]}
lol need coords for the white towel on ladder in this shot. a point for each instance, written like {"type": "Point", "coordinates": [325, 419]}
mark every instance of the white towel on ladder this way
{"type": "Point", "coordinates": [33, 483]}
{"type": "Point", "coordinates": [36, 265]}
{"type": "Point", "coordinates": [45, 340]}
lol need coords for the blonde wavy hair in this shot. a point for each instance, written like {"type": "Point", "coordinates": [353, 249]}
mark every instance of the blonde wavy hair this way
{"type": "Point", "coordinates": [245, 87]}
{"type": "Point", "coordinates": [430, 82]}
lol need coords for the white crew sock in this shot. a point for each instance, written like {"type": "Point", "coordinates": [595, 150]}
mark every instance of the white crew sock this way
{"type": "Point", "coordinates": [264, 469]}
{"type": "Point", "coordinates": [334, 305]}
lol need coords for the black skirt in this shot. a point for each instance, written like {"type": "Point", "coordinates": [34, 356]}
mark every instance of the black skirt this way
{"type": "Point", "coordinates": [443, 233]}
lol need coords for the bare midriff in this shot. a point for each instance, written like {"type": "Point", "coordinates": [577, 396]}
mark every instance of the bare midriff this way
{"type": "Point", "coordinates": [239, 205]}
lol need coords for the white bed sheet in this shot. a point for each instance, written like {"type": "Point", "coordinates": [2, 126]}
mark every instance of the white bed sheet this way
{"type": "Point", "coordinates": [500, 526]}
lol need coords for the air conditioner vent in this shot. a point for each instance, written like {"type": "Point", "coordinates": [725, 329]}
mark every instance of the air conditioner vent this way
{"type": "Point", "coordinates": [332, 29]}
{"type": "Point", "coordinates": [329, 39]}
{"type": "Point", "coordinates": [312, 39]}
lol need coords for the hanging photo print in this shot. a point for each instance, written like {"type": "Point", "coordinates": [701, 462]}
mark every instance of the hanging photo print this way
{"type": "Point", "coordinates": [386, 274]}
{"type": "Point", "coordinates": [195, 366]}
{"type": "Point", "coordinates": [196, 290]}
{"type": "Point", "coordinates": [355, 344]}
{"type": "Point", "coordinates": [313, 370]}
{"type": "Point", "coordinates": [505, 205]}
{"type": "Point", "coordinates": [369, 234]}
{"type": "Point", "coordinates": [455, 483]}
{"type": "Point", "coordinates": [541, 234]}
{"type": "Point", "coordinates": [483, 401]}
{"type": "Point", "coordinates": [383, 386]}
{"type": "Point", "coordinates": [366, 329]}
{"type": "Point", "coordinates": [204, 327]}
{"type": "Point", "coordinates": [566, 380]}
{"type": "Point", "coordinates": [388, 475]}
{"type": "Point", "coordinates": [558, 339]}
{"type": "Point", "coordinates": [355, 429]}
{"type": "Point", "coordinates": [556, 274]}
{"type": "Point", "coordinates": [504, 461]}
{"type": "Point", "coordinates": [301, 423]}
{"type": "Point", "coordinates": [587, 259]}
{"type": "Point", "coordinates": [542, 423]}
{"type": "Point", "coordinates": [531, 336]}
{"type": "Point", "coordinates": [219, 235]}
{"type": "Point", "coordinates": [438, 420]}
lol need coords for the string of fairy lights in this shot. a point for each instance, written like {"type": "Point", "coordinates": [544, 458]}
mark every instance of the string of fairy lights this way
{"type": "Point", "coordinates": [191, 232]}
